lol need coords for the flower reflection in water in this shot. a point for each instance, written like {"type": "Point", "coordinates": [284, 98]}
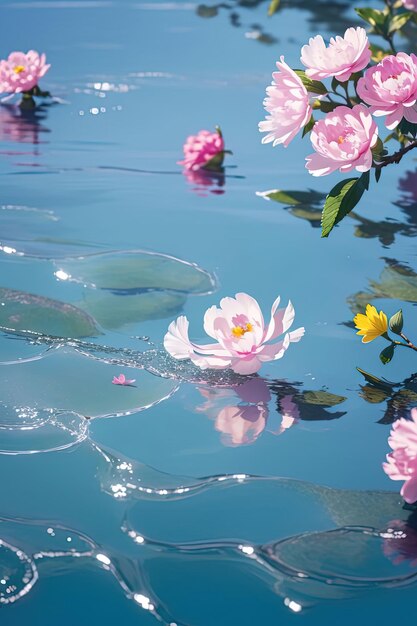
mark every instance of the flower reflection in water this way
{"type": "Point", "coordinates": [204, 182]}
{"type": "Point", "coordinates": [241, 413]}
{"type": "Point", "coordinates": [22, 127]}
{"type": "Point", "coordinates": [400, 541]}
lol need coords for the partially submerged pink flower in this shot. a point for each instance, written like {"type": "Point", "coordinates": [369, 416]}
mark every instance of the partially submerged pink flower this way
{"type": "Point", "coordinates": [200, 149]}
{"type": "Point", "coordinates": [122, 380]}
{"type": "Point", "coordinates": [288, 105]}
{"type": "Point", "coordinates": [21, 72]}
{"type": "Point", "coordinates": [391, 88]}
{"type": "Point", "coordinates": [402, 462]}
{"type": "Point", "coordinates": [410, 4]}
{"type": "Point", "coordinates": [343, 141]}
{"type": "Point", "coordinates": [243, 341]}
{"type": "Point", "coordinates": [343, 57]}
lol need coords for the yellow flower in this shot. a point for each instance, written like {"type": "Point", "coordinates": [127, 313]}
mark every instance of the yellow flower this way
{"type": "Point", "coordinates": [372, 324]}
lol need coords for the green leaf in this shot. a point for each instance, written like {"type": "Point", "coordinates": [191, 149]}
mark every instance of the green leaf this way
{"type": "Point", "coordinates": [378, 173]}
{"type": "Point", "coordinates": [308, 127]}
{"type": "Point", "coordinates": [273, 7]}
{"type": "Point", "coordinates": [341, 200]}
{"type": "Point", "coordinates": [292, 198]}
{"type": "Point", "coordinates": [398, 21]}
{"type": "Point", "coordinates": [374, 380]}
{"type": "Point", "coordinates": [387, 354]}
{"type": "Point", "coordinates": [407, 128]}
{"type": "Point", "coordinates": [377, 19]}
{"type": "Point", "coordinates": [20, 310]}
{"type": "Point", "coordinates": [322, 398]}
{"type": "Point", "coordinates": [396, 322]}
{"type": "Point", "coordinates": [327, 107]}
{"type": "Point", "coordinates": [313, 86]}
{"type": "Point", "coordinates": [136, 271]}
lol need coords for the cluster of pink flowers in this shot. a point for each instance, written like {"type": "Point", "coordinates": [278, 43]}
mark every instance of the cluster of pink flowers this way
{"type": "Point", "coordinates": [21, 71]}
{"type": "Point", "coordinates": [202, 148]}
{"type": "Point", "coordinates": [402, 461]}
{"type": "Point", "coordinates": [344, 138]}
{"type": "Point", "coordinates": [243, 341]}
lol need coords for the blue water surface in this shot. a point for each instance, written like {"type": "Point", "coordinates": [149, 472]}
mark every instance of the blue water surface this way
{"type": "Point", "coordinates": [161, 506]}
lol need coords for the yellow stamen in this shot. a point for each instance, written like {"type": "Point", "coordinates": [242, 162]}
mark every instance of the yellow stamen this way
{"type": "Point", "coordinates": [340, 139]}
{"type": "Point", "coordinates": [239, 331]}
{"type": "Point", "coordinates": [19, 69]}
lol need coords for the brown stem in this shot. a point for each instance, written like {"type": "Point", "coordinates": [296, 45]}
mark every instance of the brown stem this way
{"type": "Point", "coordinates": [408, 342]}
{"type": "Point", "coordinates": [397, 156]}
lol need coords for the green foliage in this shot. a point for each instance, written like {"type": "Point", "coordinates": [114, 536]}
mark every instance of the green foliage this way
{"type": "Point", "coordinates": [407, 128]}
{"type": "Point", "coordinates": [313, 86]}
{"type": "Point", "coordinates": [292, 198]}
{"type": "Point", "coordinates": [398, 21]}
{"type": "Point", "coordinates": [396, 322]}
{"type": "Point", "coordinates": [387, 354]}
{"type": "Point", "coordinates": [309, 126]}
{"type": "Point", "coordinates": [341, 200]}
{"type": "Point", "coordinates": [273, 7]}
{"type": "Point", "coordinates": [379, 20]}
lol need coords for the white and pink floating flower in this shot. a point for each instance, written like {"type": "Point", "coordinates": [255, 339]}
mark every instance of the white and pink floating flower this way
{"type": "Point", "coordinates": [243, 341]}
{"type": "Point", "coordinates": [402, 461]}
{"type": "Point", "coordinates": [21, 71]}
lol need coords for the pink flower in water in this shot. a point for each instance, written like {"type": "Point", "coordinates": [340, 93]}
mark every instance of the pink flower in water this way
{"type": "Point", "coordinates": [21, 72]}
{"type": "Point", "coordinates": [288, 105]}
{"type": "Point", "coordinates": [402, 462]}
{"type": "Point", "coordinates": [122, 380]}
{"type": "Point", "coordinates": [391, 88]}
{"type": "Point", "coordinates": [343, 141]}
{"type": "Point", "coordinates": [343, 57]}
{"type": "Point", "coordinates": [243, 340]}
{"type": "Point", "coordinates": [410, 4]}
{"type": "Point", "coordinates": [200, 149]}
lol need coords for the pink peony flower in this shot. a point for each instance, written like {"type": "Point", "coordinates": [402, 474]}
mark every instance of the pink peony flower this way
{"type": "Point", "coordinates": [288, 105]}
{"type": "Point", "coordinates": [343, 57]}
{"type": "Point", "coordinates": [410, 4]}
{"type": "Point", "coordinates": [122, 380]}
{"type": "Point", "coordinates": [343, 141]}
{"type": "Point", "coordinates": [201, 148]}
{"type": "Point", "coordinates": [402, 462]}
{"type": "Point", "coordinates": [243, 340]}
{"type": "Point", "coordinates": [391, 88]}
{"type": "Point", "coordinates": [21, 72]}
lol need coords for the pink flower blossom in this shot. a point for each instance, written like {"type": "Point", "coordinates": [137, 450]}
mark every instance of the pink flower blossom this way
{"type": "Point", "coordinates": [402, 462]}
{"type": "Point", "coordinates": [343, 141]}
{"type": "Point", "coordinates": [243, 340]}
{"type": "Point", "coordinates": [343, 57]}
{"type": "Point", "coordinates": [21, 72]}
{"type": "Point", "coordinates": [122, 380]}
{"type": "Point", "coordinates": [410, 4]}
{"type": "Point", "coordinates": [391, 88]}
{"type": "Point", "coordinates": [288, 105]}
{"type": "Point", "coordinates": [201, 148]}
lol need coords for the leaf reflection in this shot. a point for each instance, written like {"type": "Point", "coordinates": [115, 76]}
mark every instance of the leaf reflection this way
{"type": "Point", "coordinates": [399, 398]}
